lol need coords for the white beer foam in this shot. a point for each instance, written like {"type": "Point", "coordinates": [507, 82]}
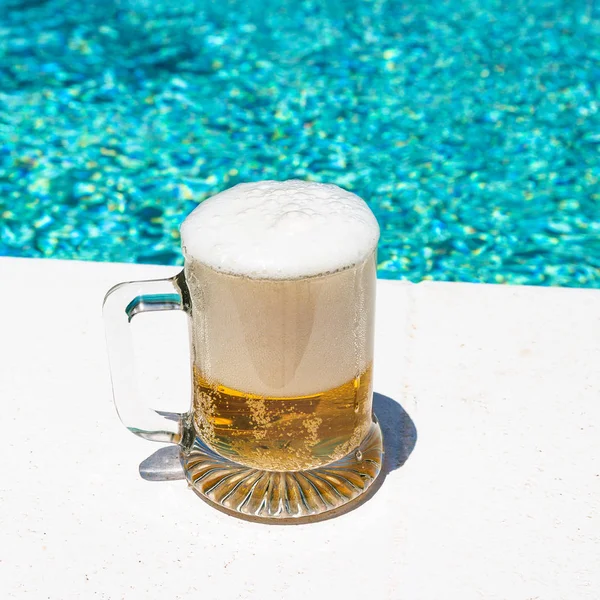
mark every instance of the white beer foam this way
{"type": "Point", "coordinates": [280, 230]}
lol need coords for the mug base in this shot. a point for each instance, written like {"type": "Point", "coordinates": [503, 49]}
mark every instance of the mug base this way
{"type": "Point", "coordinates": [283, 496]}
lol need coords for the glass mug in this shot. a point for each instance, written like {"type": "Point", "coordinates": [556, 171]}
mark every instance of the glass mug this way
{"type": "Point", "coordinates": [279, 286]}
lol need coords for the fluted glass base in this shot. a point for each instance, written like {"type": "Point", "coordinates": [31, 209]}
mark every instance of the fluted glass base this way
{"type": "Point", "coordinates": [283, 494]}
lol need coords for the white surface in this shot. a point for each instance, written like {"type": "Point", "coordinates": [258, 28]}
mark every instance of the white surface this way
{"type": "Point", "coordinates": [281, 229]}
{"type": "Point", "coordinates": [499, 498]}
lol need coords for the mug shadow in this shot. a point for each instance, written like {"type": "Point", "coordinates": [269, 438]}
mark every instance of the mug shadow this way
{"type": "Point", "coordinates": [399, 437]}
{"type": "Point", "coordinates": [163, 465]}
{"type": "Point", "coordinates": [399, 440]}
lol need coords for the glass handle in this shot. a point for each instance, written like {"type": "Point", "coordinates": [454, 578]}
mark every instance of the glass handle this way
{"type": "Point", "coordinates": [121, 304]}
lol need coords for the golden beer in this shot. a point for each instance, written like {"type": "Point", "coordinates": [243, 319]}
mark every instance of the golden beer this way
{"type": "Point", "coordinates": [283, 433]}
{"type": "Point", "coordinates": [282, 369]}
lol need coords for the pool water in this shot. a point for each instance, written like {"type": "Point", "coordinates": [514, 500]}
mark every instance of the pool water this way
{"type": "Point", "coordinates": [472, 127]}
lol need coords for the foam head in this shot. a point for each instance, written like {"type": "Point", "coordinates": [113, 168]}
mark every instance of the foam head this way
{"type": "Point", "coordinates": [280, 230]}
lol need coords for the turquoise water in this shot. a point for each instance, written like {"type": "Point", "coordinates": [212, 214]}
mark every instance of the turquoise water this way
{"type": "Point", "coordinates": [472, 128]}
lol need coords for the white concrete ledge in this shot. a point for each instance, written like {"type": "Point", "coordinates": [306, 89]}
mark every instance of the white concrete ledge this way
{"type": "Point", "coordinates": [499, 498]}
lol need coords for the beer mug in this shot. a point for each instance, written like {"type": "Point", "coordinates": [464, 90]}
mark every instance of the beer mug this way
{"type": "Point", "coordinates": [279, 285]}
